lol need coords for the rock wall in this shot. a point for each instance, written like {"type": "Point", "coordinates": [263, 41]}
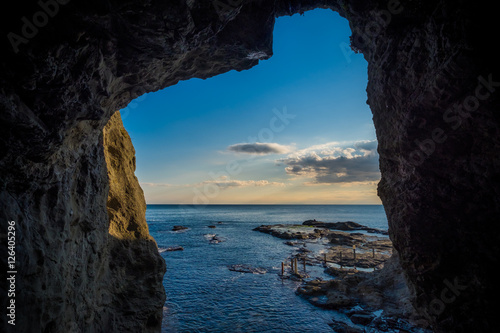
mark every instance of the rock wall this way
{"type": "Point", "coordinates": [68, 65]}
{"type": "Point", "coordinates": [432, 93]}
{"type": "Point", "coordinates": [135, 267]}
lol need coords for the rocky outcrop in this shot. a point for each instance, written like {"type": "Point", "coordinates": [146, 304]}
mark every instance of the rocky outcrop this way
{"type": "Point", "coordinates": [360, 295]}
{"type": "Point", "coordinates": [80, 269]}
{"type": "Point", "coordinates": [315, 230]}
{"type": "Point", "coordinates": [433, 90]}
{"type": "Point", "coordinates": [291, 231]}
{"type": "Point", "coordinates": [126, 204]}
{"type": "Point", "coordinates": [340, 248]}
{"type": "Point", "coordinates": [345, 226]}
{"type": "Point", "coordinates": [179, 228]}
{"type": "Point", "coordinates": [135, 267]}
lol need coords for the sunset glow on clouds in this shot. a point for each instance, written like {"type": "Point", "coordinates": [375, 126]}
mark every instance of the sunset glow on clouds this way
{"type": "Point", "coordinates": [331, 163]}
{"type": "Point", "coordinates": [351, 169]}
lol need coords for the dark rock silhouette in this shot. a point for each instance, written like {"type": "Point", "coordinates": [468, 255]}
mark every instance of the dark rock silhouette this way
{"type": "Point", "coordinates": [433, 90]}
{"type": "Point", "coordinates": [346, 226]}
{"type": "Point", "coordinates": [174, 248]}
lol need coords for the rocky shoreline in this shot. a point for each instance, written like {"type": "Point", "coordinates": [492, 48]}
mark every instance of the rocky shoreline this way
{"type": "Point", "coordinates": [341, 248]}
{"type": "Point", "coordinates": [364, 278]}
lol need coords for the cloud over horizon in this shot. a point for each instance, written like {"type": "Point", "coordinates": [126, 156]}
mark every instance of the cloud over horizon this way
{"type": "Point", "coordinates": [260, 148]}
{"type": "Point", "coordinates": [335, 163]}
{"type": "Point", "coordinates": [222, 182]}
{"type": "Point", "coordinates": [227, 183]}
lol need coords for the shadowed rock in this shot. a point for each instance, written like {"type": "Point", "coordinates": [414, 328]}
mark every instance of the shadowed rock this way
{"type": "Point", "coordinates": [433, 89]}
{"type": "Point", "coordinates": [383, 289]}
{"type": "Point", "coordinates": [345, 226]}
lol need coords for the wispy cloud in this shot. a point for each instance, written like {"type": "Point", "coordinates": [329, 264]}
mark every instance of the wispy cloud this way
{"type": "Point", "coordinates": [221, 182]}
{"type": "Point", "coordinates": [335, 163]}
{"type": "Point", "coordinates": [226, 183]}
{"type": "Point", "coordinates": [260, 148]}
{"type": "Point", "coordinates": [163, 185]}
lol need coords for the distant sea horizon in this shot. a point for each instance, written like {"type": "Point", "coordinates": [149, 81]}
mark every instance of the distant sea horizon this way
{"type": "Point", "coordinates": [257, 204]}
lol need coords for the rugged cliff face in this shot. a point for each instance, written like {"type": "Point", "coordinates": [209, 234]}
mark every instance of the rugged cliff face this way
{"type": "Point", "coordinates": [68, 65]}
{"type": "Point", "coordinates": [135, 267]}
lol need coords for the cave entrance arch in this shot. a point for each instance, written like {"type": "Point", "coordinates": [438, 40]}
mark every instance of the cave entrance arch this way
{"type": "Point", "coordinates": [432, 87]}
{"type": "Point", "coordinates": [421, 126]}
{"type": "Point", "coordinates": [276, 123]}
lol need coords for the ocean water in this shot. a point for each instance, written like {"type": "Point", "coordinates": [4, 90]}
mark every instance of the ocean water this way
{"type": "Point", "coordinates": [203, 295]}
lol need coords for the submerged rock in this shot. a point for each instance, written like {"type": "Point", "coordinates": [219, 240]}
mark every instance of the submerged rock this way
{"type": "Point", "coordinates": [247, 269]}
{"type": "Point", "coordinates": [216, 240]}
{"type": "Point", "coordinates": [213, 238]}
{"type": "Point", "coordinates": [179, 228]}
{"type": "Point", "coordinates": [174, 248]}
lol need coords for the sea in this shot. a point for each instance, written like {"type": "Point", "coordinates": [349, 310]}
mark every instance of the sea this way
{"type": "Point", "coordinates": [203, 295]}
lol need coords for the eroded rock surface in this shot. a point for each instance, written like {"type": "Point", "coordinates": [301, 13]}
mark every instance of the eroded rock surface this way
{"type": "Point", "coordinates": [135, 267]}
{"type": "Point", "coordinates": [361, 294]}
{"type": "Point", "coordinates": [433, 90]}
{"type": "Point", "coordinates": [352, 249]}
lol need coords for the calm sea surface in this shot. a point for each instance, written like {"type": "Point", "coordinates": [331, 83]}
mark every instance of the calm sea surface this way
{"type": "Point", "coordinates": [203, 295]}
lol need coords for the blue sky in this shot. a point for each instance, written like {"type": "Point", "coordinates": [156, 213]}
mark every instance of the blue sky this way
{"type": "Point", "coordinates": [293, 129]}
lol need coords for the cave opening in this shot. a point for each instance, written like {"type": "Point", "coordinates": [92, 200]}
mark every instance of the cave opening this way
{"type": "Point", "coordinates": [421, 52]}
{"type": "Point", "coordinates": [293, 130]}
{"type": "Point", "coordinates": [433, 89]}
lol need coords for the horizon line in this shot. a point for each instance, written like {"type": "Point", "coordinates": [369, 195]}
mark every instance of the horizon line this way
{"type": "Point", "coordinates": [261, 204]}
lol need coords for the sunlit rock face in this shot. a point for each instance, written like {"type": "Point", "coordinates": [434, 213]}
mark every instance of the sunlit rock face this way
{"type": "Point", "coordinates": [135, 267]}
{"type": "Point", "coordinates": [68, 65]}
